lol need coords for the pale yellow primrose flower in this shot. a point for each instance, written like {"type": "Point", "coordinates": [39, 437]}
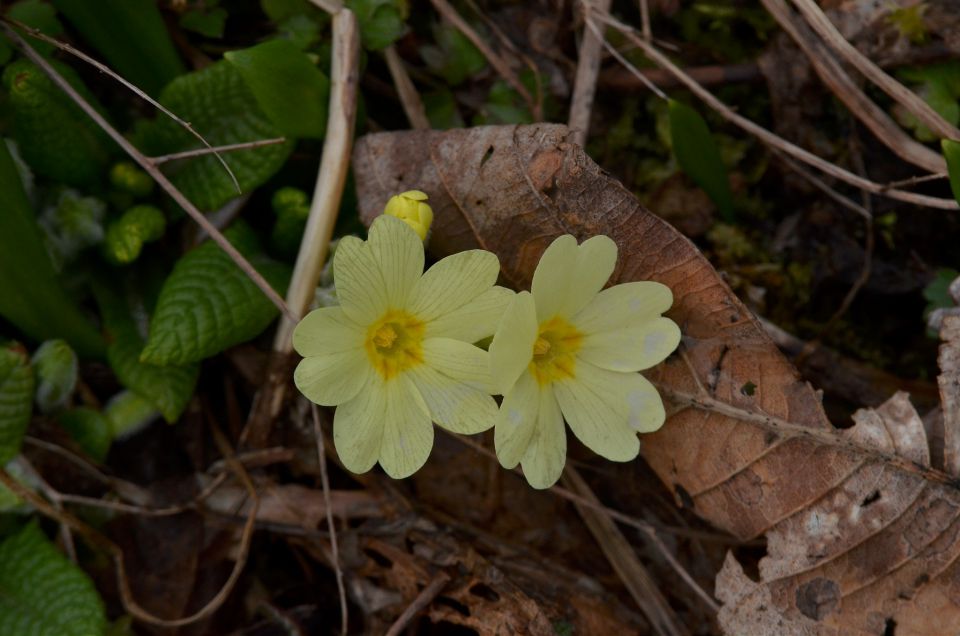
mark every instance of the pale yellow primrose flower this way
{"type": "Point", "coordinates": [570, 351]}
{"type": "Point", "coordinates": [410, 208]}
{"type": "Point", "coordinates": [396, 354]}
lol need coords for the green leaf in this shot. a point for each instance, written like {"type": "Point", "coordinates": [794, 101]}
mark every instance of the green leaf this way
{"type": "Point", "coordinates": [44, 594]}
{"type": "Point", "coordinates": [55, 137]}
{"type": "Point", "coordinates": [455, 58]}
{"type": "Point", "coordinates": [381, 21]}
{"type": "Point", "coordinates": [127, 414]}
{"type": "Point", "coordinates": [292, 207]}
{"type": "Point", "coordinates": [699, 157]}
{"type": "Point", "coordinates": [16, 400]}
{"type": "Point", "coordinates": [132, 37]}
{"type": "Point", "coordinates": [40, 16]}
{"type": "Point", "coordinates": [441, 107]}
{"type": "Point", "coordinates": [55, 364]}
{"type": "Point", "coordinates": [208, 23]}
{"type": "Point", "coordinates": [167, 388]}
{"type": "Point", "coordinates": [208, 304]}
{"type": "Point", "coordinates": [951, 152]}
{"type": "Point", "coordinates": [222, 108]}
{"type": "Point", "coordinates": [90, 429]}
{"type": "Point", "coordinates": [288, 87]}
{"type": "Point", "coordinates": [127, 235]}
{"type": "Point", "coordinates": [31, 298]}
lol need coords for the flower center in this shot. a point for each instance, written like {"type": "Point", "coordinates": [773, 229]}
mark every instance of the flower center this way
{"type": "Point", "coordinates": [394, 343]}
{"type": "Point", "coordinates": [554, 351]}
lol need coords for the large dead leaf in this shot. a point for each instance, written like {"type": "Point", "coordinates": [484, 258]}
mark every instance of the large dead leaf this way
{"type": "Point", "coordinates": [862, 533]}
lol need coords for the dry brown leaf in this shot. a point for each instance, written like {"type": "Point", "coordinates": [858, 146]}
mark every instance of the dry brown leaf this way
{"type": "Point", "coordinates": [862, 533]}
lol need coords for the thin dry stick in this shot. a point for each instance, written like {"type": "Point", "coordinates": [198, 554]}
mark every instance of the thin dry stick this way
{"type": "Point", "coordinates": [822, 185]}
{"type": "Point", "coordinates": [648, 529]}
{"type": "Point", "coordinates": [54, 496]}
{"type": "Point", "coordinates": [409, 97]}
{"type": "Point", "coordinates": [149, 167]}
{"type": "Point", "coordinates": [498, 63]}
{"type": "Point", "coordinates": [646, 81]}
{"type": "Point", "coordinates": [330, 178]}
{"type": "Point", "coordinates": [97, 539]}
{"type": "Point", "coordinates": [145, 511]}
{"type": "Point", "coordinates": [622, 557]}
{"type": "Point", "coordinates": [588, 67]}
{"type": "Point", "coordinates": [900, 93]}
{"type": "Point", "coordinates": [768, 137]}
{"type": "Point", "coordinates": [645, 28]}
{"type": "Point", "coordinates": [915, 180]}
{"type": "Point", "coordinates": [331, 527]}
{"type": "Point", "coordinates": [833, 75]}
{"type": "Point", "coordinates": [103, 68]}
{"type": "Point", "coordinates": [424, 598]}
{"type": "Point", "coordinates": [199, 152]}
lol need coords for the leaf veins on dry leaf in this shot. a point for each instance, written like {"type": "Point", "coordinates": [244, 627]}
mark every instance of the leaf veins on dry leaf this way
{"type": "Point", "coordinates": [863, 531]}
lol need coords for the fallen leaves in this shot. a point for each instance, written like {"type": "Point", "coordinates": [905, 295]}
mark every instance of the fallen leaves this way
{"type": "Point", "coordinates": [862, 531]}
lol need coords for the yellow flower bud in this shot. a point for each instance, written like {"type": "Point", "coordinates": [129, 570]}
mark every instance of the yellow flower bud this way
{"type": "Point", "coordinates": [411, 208]}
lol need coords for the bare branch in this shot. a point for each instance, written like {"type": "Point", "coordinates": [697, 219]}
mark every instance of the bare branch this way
{"type": "Point", "coordinates": [199, 152]}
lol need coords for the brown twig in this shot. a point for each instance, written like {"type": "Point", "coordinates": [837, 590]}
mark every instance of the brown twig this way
{"type": "Point", "coordinates": [645, 592]}
{"type": "Point", "coordinates": [646, 528]}
{"type": "Point", "coordinates": [409, 97]}
{"type": "Point", "coordinates": [199, 152]}
{"type": "Point", "coordinates": [588, 67]}
{"type": "Point", "coordinates": [897, 91]}
{"type": "Point", "coordinates": [840, 83]}
{"type": "Point", "coordinates": [915, 180]}
{"type": "Point", "coordinates": [498, 63]}
{"type": "Point", "coordinates": [767, 137]}
{"type": "Point", "coordinates": [331, 527]}
{"type": "Point", "coordinates": [424, 598]}
{"type": "Point", "coordinates": [149, 167]}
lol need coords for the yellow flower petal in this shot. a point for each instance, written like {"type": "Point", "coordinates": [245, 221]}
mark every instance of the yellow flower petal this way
{"type": "Point", "coordinates": [551, 279]}
{"type": "Point", "coordinates": [407, 430]}
{"type": "Point", "coordinates": [474, 321]}
{"type": "Point", "coordinates": [452, 283]}
{"type": "Point", "coordinates": [547, 451]}
{"type": "Point", "coordinates": [454, 405]}
{"type": "Point", "coordinates": [517, 421]}
{"type": "Point", "coordinates": [398, 251]}
{"type": "Point", "coordinates": [512, 347]}
{"type": "Point", "coordinates": [624, 306]}
{"type": "Point", "coordinates": [596, 259]}
{"type": "Point", "coordinates": [325, 331]}
{"type": "Point", "coordinates": [597, 406]}
{"type": "Point", "coordinates": [358, 427]}
{"type": "Point", "coordinates": [359, 283]}
{"type": "Point", "coordinates": [332, 379]}
{"type": "Point", "coordinates": [632, 349]}
{"type": "Point", "coordinates": [646, 412]}
{"type": "Point", "coordinates": [458, 360]}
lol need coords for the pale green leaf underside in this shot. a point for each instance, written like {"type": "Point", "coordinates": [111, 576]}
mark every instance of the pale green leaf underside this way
{"type": "Point", "coordinates": [16, 400]}
{"type": "Point", "coordinates": [208, 304]}
{"type": "Point", "coordinates": [221, 107]}
{"type": "Point", "coordinates": [42, 593]}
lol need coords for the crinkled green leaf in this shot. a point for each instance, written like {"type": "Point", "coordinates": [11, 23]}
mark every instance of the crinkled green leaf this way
{"type": "Point", "coordinates": [131, 37]}
{"type": "Point", "coordinates": [288, 87]}
{"type": "Point", "coordinates": [90, 429]}
{"type": "Point", "coordinates": [16, 400]}
{"type": "Point", "coordinates": [55, 365]}
{"type": "Point", "coordinates": [208, 304]}
{"type": "Point", "coordinates": [44, 594]}
{"type": "Point", "coordinates": [698, 156]}
{"type": "Point", "coordinates": [55, 137]}
{"type": "Point", "coordinates": [127, 413]}
{"type": "Point", "coordinates": [127, 235]}
{"type": "Point", "coordinates": [381, 21]}
{"type": "Point", "coordinates": [222, 108]}
{"type": "Point", "coordinates": [167, 388]}
{"type": "Point", "coordinates": [951, 152]}
{"type": "Point", "coordinates": [31, 298]}
{"type": "Point", "coordinates": [40, 16]}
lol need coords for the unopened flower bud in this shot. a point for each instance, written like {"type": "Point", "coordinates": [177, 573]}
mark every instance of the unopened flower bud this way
{"type": "Point", "coordinates": [411, 208]}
